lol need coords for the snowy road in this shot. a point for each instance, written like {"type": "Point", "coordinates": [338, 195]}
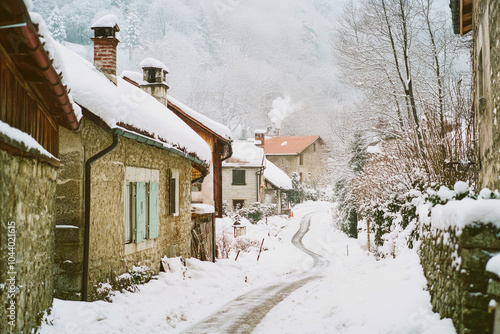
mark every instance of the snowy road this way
{"type": "Point", "coordinates": [244, 313]}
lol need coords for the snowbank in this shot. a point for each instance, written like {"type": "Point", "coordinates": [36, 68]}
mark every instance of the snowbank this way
{"type": "Point", "coordinates": [493, 265]}
{"type": "Point", "coordinates": [466, 212]}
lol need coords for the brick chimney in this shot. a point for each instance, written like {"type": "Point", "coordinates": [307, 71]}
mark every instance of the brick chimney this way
{"type": "Point", "coordinates": [260, 138]}
{"type": "Point", "coordinates": [155, 79]}
{"type": "Point", "coordinates": [105, 43]}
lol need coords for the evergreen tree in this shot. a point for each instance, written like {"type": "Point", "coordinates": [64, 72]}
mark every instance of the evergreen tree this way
{"type": "Point", "coordinates": [56, 26]}
{"type": "Point", "coordinates": [132, 33]}
{"type": "Point", "coordinates": [359, 156]}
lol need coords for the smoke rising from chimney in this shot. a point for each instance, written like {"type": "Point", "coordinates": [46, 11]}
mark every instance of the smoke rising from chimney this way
{"type": "Point", "coordinates": [282, 107]}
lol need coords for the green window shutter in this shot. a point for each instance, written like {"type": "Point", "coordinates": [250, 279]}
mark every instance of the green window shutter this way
{"type": "Point", "coordinates": [172, 196]}
{"type": "Point", "coordinates": [153, 210]}
{"type": "Point", "coordinates": [239, 177]}
{"type": "Point", "coordinates": [140, 212]}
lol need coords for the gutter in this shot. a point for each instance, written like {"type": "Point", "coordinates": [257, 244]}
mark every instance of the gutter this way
{"type": "Point", "coordinates": [86, 240]}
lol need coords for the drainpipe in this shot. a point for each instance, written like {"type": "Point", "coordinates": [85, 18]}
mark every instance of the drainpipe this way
{"type": "Point", "coordinates": [86, 240]}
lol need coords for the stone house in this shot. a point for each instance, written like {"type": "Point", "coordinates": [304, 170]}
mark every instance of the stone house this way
{"type": "Point", "coordinates": [301, 155]}
{"type": "Point", "coordinates": [206, 195]}
{"type": "Point", "coordinates": [124, 188]}
{"type": "Point", "coordinates": [243, 181]}
{"type": "Point", "coordinates": [482, 17]}
{"type": "Point", "coordinates": [33, 105]}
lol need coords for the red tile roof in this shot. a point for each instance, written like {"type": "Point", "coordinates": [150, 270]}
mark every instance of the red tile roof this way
{"type": "Point", "coordinates": [288, 144]}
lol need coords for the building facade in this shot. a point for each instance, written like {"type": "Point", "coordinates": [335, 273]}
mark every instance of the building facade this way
{"type": "Point", "coordinates": [33, 105]}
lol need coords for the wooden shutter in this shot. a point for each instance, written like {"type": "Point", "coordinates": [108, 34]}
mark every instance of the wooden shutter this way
{"type": "Point", "coordinates": [140, 212]}
{"type": "Point", "coordinates": [153, 210]}
{"type": "Point", "coordinates": [172, 196]}
{"type": "Point", "coordinates": [128, 212]}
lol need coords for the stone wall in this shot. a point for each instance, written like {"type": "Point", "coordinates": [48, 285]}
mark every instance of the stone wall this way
{"type": "Point", "coordinates": [486, 89]}
{"type": "Point", "coordinates": [454, 263]}
{"type": "Point", "coordinates": [312, 163]}
{"type": "Point", "coordinates": [109, 255]}
{"type": "Point", "coordinates": [247, 192]}
{"type": "Point", "coordinates": [27, 204]}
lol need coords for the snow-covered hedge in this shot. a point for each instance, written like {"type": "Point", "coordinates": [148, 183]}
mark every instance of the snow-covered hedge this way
{"type": "Point", "coordinates": [128, 281]}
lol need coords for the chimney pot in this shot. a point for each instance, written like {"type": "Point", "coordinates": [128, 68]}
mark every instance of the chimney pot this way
{"type": "Point", "coordinates": [155, 76]}
{"type": "Point", "coordinates": [105, 43]}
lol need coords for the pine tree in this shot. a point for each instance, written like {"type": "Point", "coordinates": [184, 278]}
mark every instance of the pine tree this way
{"type": "Point", "coordinates": [359, 156]}
{"type": "Point", "coordinates": [56, 26]}
{"type": "Point", "coordinates": [132, 34]}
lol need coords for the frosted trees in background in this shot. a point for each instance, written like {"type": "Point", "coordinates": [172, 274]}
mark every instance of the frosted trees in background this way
{"type": "Point", "coordinates": [412, 72]}
{"type": "Point", "coordinates": [56, 26]}
{"type": "Point", "coordinates": [404, 58]}
{"type": "Point", "coordinates": [131, 35]}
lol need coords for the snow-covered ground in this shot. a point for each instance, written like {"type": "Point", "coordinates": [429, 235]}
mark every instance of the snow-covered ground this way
{"type": "Point", "coordinates": [355, 294]}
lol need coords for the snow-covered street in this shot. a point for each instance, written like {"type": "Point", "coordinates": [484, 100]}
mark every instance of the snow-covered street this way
{"type": "Point", "coordinates": [341, 290]}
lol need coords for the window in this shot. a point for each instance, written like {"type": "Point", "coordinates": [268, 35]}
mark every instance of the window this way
{"type": "Point", "coordinates": [238, 203]}
{"type": "Point", "coordinates": [314, 147]}
{"type": "Point", "coordinates": [239, 177]}
{"type": "Point", "coordinates": [141, 211]}
{"type": "Point", "coordinates": [173, 188]}
{"type": "Point", "coordinates": [301, 159]}
{"type": "Point", "coordinates": [300, 177]}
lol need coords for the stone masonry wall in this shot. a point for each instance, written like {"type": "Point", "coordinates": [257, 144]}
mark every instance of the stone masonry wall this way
{"type": "Point", "coordinates": [109, 255]}
{"type": "Point", "coordinates": [454, 264]}
{"type": "Point", "coordinates": [246, 192]}
{"type": "Point", "coordinates": [27, 204]}
{"type": "Point", "coordinates": [486, 37]}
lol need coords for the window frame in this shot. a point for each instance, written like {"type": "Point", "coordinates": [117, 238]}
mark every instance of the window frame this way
{"type": "Point", "coordinates": [233, 178]}
{"type": "Point", "coordinates": [173, 198]}
{"type": "Point", "coordinates": [136, 232]}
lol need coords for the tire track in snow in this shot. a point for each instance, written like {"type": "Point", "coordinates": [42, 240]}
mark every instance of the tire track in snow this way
{"type": "Point", "coordinates": [243, 314]}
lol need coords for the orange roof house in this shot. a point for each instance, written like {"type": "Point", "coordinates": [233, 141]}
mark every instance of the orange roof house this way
{"type": "Point", "coordinates": [301, 155]}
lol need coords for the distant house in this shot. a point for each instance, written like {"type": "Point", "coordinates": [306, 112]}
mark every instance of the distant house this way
{"type": "Point", "coordinates": [34, 103]}
{"type": "Point", "coordinates": [301, 155]}
{"type": "Point", "coordinates": [207, 195]}
{"type": "Point", "coordinates": [482, 17]}
{"type": "Point", "coordinates": [277, 185]}
{"type": "Point", "coordinates": [124, 192]}
{"type": "Point", "coordinates": [242, 175]}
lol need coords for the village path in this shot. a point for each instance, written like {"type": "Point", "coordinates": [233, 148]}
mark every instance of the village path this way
{"type": "Point", "coordinates": [244, 313]}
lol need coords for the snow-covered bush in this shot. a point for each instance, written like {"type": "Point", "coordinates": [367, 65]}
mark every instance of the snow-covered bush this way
{"type": "Point", "coordinates": [102, 291]}
{"type": "Point", "coordinates": [257, 211]}
{"type": "Point", "coordinates": [141, 274]}
{"type": "Point", "coordinates": [125, 282]}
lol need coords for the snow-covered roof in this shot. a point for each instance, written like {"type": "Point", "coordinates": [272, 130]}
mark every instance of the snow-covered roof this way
{"type": "Point", "coordinates": [154, 63]}
{"type": "Point", "coordinates": [277, 177]}
{"type": "Point", "coordinates": [134, 76]}
{"type": "Point", "coordinates": [127, 106]}
{"type": "Point", "coordinates": [106, 21]}
{"type": "Point", "coordinates": [261, 131]}
{"type": "Point", "coordinates": [245, 154]}
{"type": "Point", "coordinates": [21, 138]}
{"type": "Point", "coordinates": [222, 130]}
{"type": "Point", "coordinates": [49, 45]}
